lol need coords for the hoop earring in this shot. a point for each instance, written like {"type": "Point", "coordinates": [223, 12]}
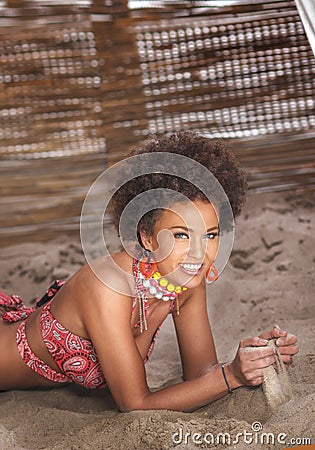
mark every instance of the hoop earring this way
{"type": "Point", "coordinates": [146, 264]}
{"type": "Point", "coordinates": [212, 274]}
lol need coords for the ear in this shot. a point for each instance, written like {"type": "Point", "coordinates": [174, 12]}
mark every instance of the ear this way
{"type": "Point", "coordinates": [145, 240]}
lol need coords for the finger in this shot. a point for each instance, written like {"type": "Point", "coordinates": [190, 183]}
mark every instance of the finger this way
{"type": "Point", "coordinates": [274, 333]}
{"type": "Point", "coordinates": [253, 376]}
{"type": "Point", "coordinates": [263, 362]}
{"type": "Point", "coordinates": [253, 342]}
{"type": "Point", "coordinates": [254, 373]}
{"type": "Point", "coordinates": [289, 350]}
{"type": "Point", "coordinates": [256, 353]}
{"type": "Point", "coordinates": [287, 359]}
{"type": "Point", "coordinates": [256, 381]}
{"type": "Point", "coordinates": [288, 340]}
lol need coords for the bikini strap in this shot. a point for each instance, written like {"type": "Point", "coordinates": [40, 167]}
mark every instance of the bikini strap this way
{"type": "Point", "coordinates": [50, 293]}
{"type": "Point", "coordinates": [19, 310]}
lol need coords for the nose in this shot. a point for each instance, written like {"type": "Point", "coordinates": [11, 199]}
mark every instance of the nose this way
{"type": "Point", "coordinates": [197, 249]}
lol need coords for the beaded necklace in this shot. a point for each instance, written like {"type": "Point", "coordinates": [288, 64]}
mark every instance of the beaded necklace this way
{"type": "Point", "coordinates": [157, 286]}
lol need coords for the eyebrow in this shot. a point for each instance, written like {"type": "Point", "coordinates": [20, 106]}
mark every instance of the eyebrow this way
{"type": "Point", "coordinates": [189, 229]}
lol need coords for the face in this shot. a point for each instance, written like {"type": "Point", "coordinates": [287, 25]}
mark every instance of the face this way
{"type": "Point", "coordinates": [185, 242]}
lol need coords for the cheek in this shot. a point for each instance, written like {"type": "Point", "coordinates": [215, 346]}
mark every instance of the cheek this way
{"type": "Point", "coordinates": [177, 250]}
{"type": "Point", "coordinates": [164, 245]}
{"type": "Point", "coordinates": [212, 248]}
{"type": "Point", "coordinates": [180, 250]}
{"type": "Point", "coordinates": [180, 246]}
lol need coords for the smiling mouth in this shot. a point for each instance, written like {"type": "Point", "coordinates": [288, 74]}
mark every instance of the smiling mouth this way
{"type": "Point", "coordinates": [191, 269]}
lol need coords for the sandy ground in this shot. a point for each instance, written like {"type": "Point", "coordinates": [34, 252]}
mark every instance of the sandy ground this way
{"type": "Point", "coordinates": [269, 279]}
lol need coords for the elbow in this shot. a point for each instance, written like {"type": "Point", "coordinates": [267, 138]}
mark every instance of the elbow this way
{"type": "Point", "coordinates": [126, 406]}
{"type": "Point", "coordinates": [125, 409]}
{"type": "Point", "coordinates": [133, 405]}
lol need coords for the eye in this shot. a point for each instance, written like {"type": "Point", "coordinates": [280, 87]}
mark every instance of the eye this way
{"type": "Point", "coordinates": [211, 235]}
{"type": "Point", "coordinates": [181, 235]}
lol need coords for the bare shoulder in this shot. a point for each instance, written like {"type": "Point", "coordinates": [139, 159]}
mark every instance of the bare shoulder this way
{"type": "Point", "coordinates": [104, 278]}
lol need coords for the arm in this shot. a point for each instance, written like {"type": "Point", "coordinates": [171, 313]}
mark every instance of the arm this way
{"type": "Point", "coordinates": [107, 321]}
{"type": "Point", "coordinates": [195, 340]}
{"type": "Point", "coordinates": [198, 353]}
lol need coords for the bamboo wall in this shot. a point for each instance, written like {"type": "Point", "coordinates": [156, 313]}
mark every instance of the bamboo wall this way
{"type": "Point", "coordinates": [82, 81]}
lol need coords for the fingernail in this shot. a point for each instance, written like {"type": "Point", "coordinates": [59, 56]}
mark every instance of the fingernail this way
{"type": "Point", "coordinates": [263, 341]}
{"type": "Point", "coordinates": [279, 341]}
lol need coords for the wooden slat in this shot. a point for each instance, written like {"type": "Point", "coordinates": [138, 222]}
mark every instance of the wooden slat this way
{"type": "Point", "coordinates": [83, 81]}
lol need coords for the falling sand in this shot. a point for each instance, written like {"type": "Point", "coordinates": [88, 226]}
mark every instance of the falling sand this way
{"type": "Point", "coordinates": [276, 384]}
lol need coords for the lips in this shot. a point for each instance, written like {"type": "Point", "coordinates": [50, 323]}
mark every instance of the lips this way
{"type": "Point", "coordinates": [191, 269]}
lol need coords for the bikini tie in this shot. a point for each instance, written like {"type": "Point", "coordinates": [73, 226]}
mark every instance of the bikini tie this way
{"type": "Point", "coordinates": [19, 310]}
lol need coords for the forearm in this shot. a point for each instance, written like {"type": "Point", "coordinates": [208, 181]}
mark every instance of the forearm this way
{"type": "Point", "coordinates": [192, 394]}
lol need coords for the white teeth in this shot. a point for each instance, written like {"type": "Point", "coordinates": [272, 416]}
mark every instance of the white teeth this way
{"type": "Point", "coordinates": [194, 267]}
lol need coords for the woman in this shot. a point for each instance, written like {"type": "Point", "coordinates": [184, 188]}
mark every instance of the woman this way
{"type": "Point", "coordinates": [100, 326]}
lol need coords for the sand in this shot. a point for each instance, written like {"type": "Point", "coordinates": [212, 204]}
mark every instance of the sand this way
{"type": "Point", "coordinates": [269, 279]}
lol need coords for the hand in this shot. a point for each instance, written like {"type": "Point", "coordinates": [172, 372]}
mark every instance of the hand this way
{"type": "Point", "coordinates": [286, 343]}
{"type": "Point", "coordinates": [247, 366]}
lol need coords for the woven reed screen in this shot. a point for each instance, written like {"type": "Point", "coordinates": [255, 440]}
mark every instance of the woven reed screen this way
{"type": "Point", "coordinates": [82, 81]}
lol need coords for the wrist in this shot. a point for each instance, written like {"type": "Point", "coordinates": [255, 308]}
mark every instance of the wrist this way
{"type": "Point", "coordinates": [230, 390]}
{"type": "Point", "coordinates": [232, 380]}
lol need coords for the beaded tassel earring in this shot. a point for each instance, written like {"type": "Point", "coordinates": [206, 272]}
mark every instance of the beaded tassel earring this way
{"type": "Point", "coordinates": [149, 279]}
{"type": "Point", "coordinates": [143, 301]}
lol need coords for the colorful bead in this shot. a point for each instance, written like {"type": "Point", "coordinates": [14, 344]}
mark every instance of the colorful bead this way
{"type": "Point", "coordinates": [157, 285]}
{"type": "Point", "coordinates": [163, 282]}
{"type": "Point", "coordinates": [147, 269]}
{"type": "Point", "coordinates": [146, 283]}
